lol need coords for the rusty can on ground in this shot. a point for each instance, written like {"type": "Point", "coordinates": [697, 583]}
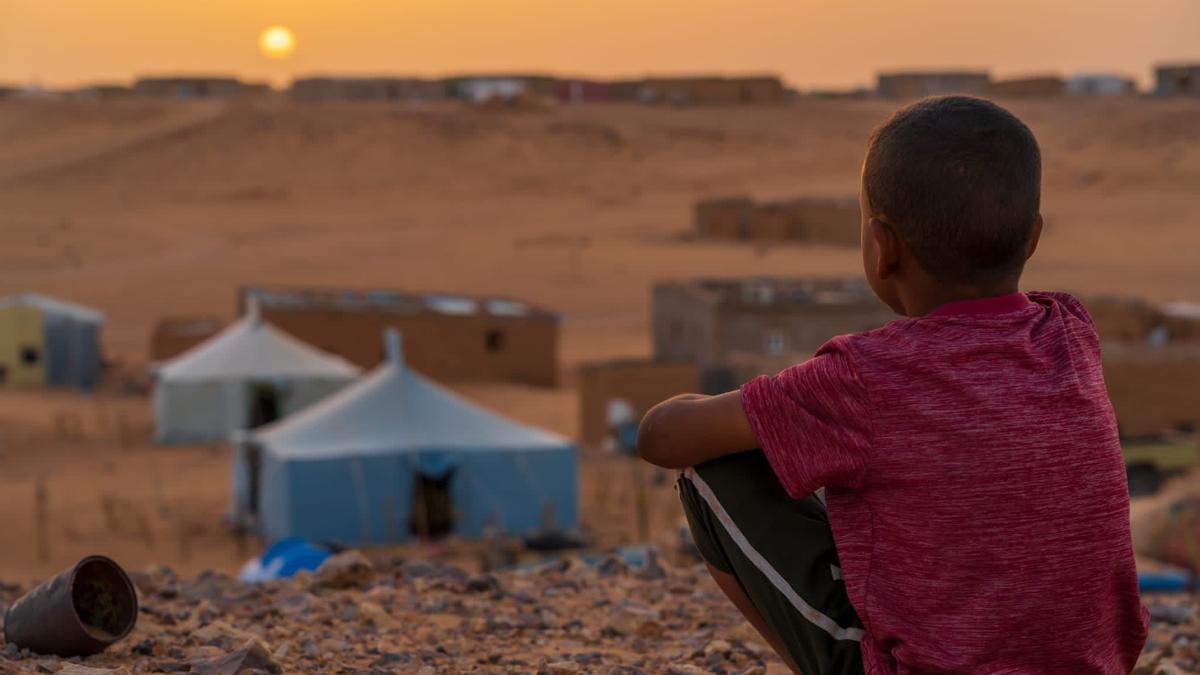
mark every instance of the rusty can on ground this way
{"type": "Point", "coordinates": [79, 612]}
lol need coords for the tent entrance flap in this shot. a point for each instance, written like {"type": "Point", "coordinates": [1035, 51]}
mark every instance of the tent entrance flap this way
{"type": "Point", "coordinates": [253, 458]}
{"type": "Point", "coordinates": [433, 506]}
{"type": "Point", "coordinates": [266, 403]}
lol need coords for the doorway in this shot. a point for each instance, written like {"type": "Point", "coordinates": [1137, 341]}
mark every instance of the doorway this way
{"type": "Point", "coordinates": [432, 509]}
{"type": "Point", "coordinates": [265, 400]}
{"type": "Point", "coordinates": [254, 473]}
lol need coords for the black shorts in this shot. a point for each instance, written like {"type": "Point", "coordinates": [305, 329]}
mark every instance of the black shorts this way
{"type": "Point", "coordinates": [782, 553]}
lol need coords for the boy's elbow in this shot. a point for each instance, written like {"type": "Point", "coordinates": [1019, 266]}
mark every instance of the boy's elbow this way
{"type": "Point", "coordinates": [653, 441]}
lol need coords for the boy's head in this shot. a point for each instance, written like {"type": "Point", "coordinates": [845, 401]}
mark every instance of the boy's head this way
{"type": "Point", "coordinates": [950, 196]}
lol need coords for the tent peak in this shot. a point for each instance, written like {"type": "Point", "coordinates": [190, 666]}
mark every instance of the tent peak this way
{"type": "Point", "coordinates": [393, 341]}
{"type": "Point", "coordinates": [253, 312]}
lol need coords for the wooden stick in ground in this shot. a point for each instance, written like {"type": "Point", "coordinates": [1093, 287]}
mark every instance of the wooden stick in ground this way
{"type": "Point", "coordinates": [641, 503]}
{"type": "Point", "coordinates": [42, 518]}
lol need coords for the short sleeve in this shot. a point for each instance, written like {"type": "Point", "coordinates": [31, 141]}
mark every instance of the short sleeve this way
{"type": "Point", "coordinates": [812, 421]}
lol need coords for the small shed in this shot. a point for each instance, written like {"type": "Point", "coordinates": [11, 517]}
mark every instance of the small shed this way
{"type": "Point", "coordinates": [1180, 79]}
{"type": "Point", "coordinates": [49, 342]}
{"type": "Point", "coordinates": [247, 375]}
{"type": "Point", "coordinates": [396, 455]}
{"type": "Point", "coordinates": [608, 388]}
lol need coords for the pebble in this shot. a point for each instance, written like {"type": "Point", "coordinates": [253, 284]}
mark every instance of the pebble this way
{"type": "Point", "coordinates": [348, 569]}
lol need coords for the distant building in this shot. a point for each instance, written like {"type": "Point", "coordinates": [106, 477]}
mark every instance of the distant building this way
{"type": "Point", "coordinates": [7, 92]}
{"type": "Point", "coordinates": [1151, 362]}
{"type": "Point", "coordinates": [1040, 86]}
{"type": "Point", "coordinates": [583, 91]}
{"type": "Point", "coordinates": [174, 336]}
{"type": "Point", "coordinates": [447, 337]}
{"type": "Point", "coordinates": [1154, 389]}
{"type": "Point", "coordinates": [483, 88]}
{"type": "Point", "coordinates": [824, 220]}
{"type": "Point", "coordinates": [752, 90]}
{"type": "Point", "coordinates": [1100, 84]}
{"type": "Point", "coordinates": [366, 89]}
{"type": "Point", "coordinates": [614, 395]}
{"type": "Point", "coordinates": [189, 87]}
{"type": "Point", "coordinates": [1178, 80]}
{"type": "Point", "coordinates": [49, 342]}
{"type": "Point", "coordinates": [104, 92]}
{"type": "Point", "coordinates": [731, 327]}
{"type": "Point", "coordinates": [933, 83]}
{"type": "Point", "coordinates": [1138, 322]}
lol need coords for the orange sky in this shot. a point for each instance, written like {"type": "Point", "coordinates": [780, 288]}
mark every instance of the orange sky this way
{"type": "Point", "coordinates": [809, 42]}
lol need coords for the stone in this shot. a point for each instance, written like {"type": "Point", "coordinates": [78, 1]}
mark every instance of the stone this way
{"type": "Point", "coordinates": [685, 669]}
{"type": "Point", "coordinates": [348, 569]}
{"type": "Point", "coordinates": [12, 651]}
{"type": "Point", "coordinates": [1172, 614]}
{"type": "Point", "coordinates": [144, 648]}
{"type": "Point", "coordinates": [563, 668]}
{"type": "Point", "coordinates": [252, 655]}
{"type": "Point", "coordinates": [721, 647]}
{"type": "Point", "coordinates": [222, 635]}
{"type": "Point", "coordinates": [78, 669]}
{"type": "Point", "coordinates": [651, 570]}
{"type": "Point", "coordinates": [481, 583]}
{"type": "Point", "coordinates": [372, 614]}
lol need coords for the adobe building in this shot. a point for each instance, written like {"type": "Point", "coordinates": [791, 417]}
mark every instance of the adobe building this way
{"type": "Point", "coordinates": [1177, 79]}
{"type": "Point", "coordinates": [583, 91]}
{"type": "Point", "coordinates": [189, 87]}
{"type": "Point", "coordinates": [633, 384]}
{"type": "Point", "coordinates": [366, 89]}
{"type": "Point", "coordinates": [932, 83]}
{"type": "Point", "coordinates": [1029, 87]}
{"type": "Point", "coordinates": [1154, 389]}
{"type": "Point", "coordinates": [720, 323]}
{"type": "Point", "coordinates": [174, 336]}
{"type": "Point", "coordinates": [817, 220]}
{"type": "Point", "coordinates": [1136, 321]}
{"type": "Point", "coordinates": [753, 90]}
{"type": "Point", "coordinates": [1151, 359]}
{"type": "Point", "coordinates": [447, 337]}
{"type": "Point", "coordinates": [1100, 84]}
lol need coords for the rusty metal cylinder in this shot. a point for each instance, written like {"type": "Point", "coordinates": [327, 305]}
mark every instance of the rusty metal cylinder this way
{"type": "Point", "coordinates": [79, 612]}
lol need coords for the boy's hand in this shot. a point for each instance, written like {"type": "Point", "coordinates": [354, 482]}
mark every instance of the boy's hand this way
{"type": "Point", "coordinates": [691, 429]}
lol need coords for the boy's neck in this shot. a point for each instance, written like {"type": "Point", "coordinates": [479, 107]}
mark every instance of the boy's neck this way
{"type": "Point", "coordinates": [919, 302]}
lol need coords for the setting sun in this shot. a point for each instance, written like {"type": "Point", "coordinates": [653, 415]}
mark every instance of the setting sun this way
{"type": "Point", "coordinates": [277, 42]}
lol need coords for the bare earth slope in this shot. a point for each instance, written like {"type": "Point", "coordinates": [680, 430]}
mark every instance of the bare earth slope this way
{"type": "Point", "coordinates": [152, 209]}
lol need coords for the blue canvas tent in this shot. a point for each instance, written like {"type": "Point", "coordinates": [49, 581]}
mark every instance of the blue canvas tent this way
{"type": "Point", "coordinates": [364, 466]}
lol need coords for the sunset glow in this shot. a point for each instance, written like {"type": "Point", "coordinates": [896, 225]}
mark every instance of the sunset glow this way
{"type": "Point", "coordinates": [277, 42]}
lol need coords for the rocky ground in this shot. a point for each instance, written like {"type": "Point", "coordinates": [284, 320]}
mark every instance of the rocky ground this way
{"type": "Point", "coordinates": [355, 616]}
{"type": "Point", "coordinates": [359, 617]}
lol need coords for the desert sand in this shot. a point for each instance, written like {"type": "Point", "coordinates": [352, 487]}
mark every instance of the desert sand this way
{"type": "Point", "coordinates": [153, 209]}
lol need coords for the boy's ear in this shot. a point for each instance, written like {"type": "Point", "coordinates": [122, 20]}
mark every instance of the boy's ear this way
{"type": "Point", "coordinates": [888, 245]}
{"type": "Point", "coordinates": [1034, 237]}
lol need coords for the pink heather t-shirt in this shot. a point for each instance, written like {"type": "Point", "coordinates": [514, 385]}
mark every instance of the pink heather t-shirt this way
{"type": "Point", "coordinates": [975, 487]}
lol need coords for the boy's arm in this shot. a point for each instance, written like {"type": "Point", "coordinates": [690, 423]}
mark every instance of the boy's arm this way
{"type": "Point", "coordinates": [691, 429]}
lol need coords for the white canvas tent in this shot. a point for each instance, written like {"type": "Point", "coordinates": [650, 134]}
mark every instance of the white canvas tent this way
{"type": "Point", "coordinates": [248, 374]}
{"type": "Point", "coordinates": [352, 468]}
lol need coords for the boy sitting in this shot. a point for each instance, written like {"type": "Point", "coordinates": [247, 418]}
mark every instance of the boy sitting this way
{"type": "Point", "coordinates": [975, 516]}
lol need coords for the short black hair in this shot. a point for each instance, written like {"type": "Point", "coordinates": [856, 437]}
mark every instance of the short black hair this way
{"type": "Point", "coordinates": [959, 178]}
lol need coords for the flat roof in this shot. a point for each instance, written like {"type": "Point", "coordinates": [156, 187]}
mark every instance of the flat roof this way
{"type": "Point", "coordinates": [301, 298]}
{"type": "Point", "coordinates": [769, 291]}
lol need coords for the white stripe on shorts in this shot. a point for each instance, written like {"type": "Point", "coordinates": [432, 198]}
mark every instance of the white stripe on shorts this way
{"type": "Point", "coordinates": [806, 610]}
